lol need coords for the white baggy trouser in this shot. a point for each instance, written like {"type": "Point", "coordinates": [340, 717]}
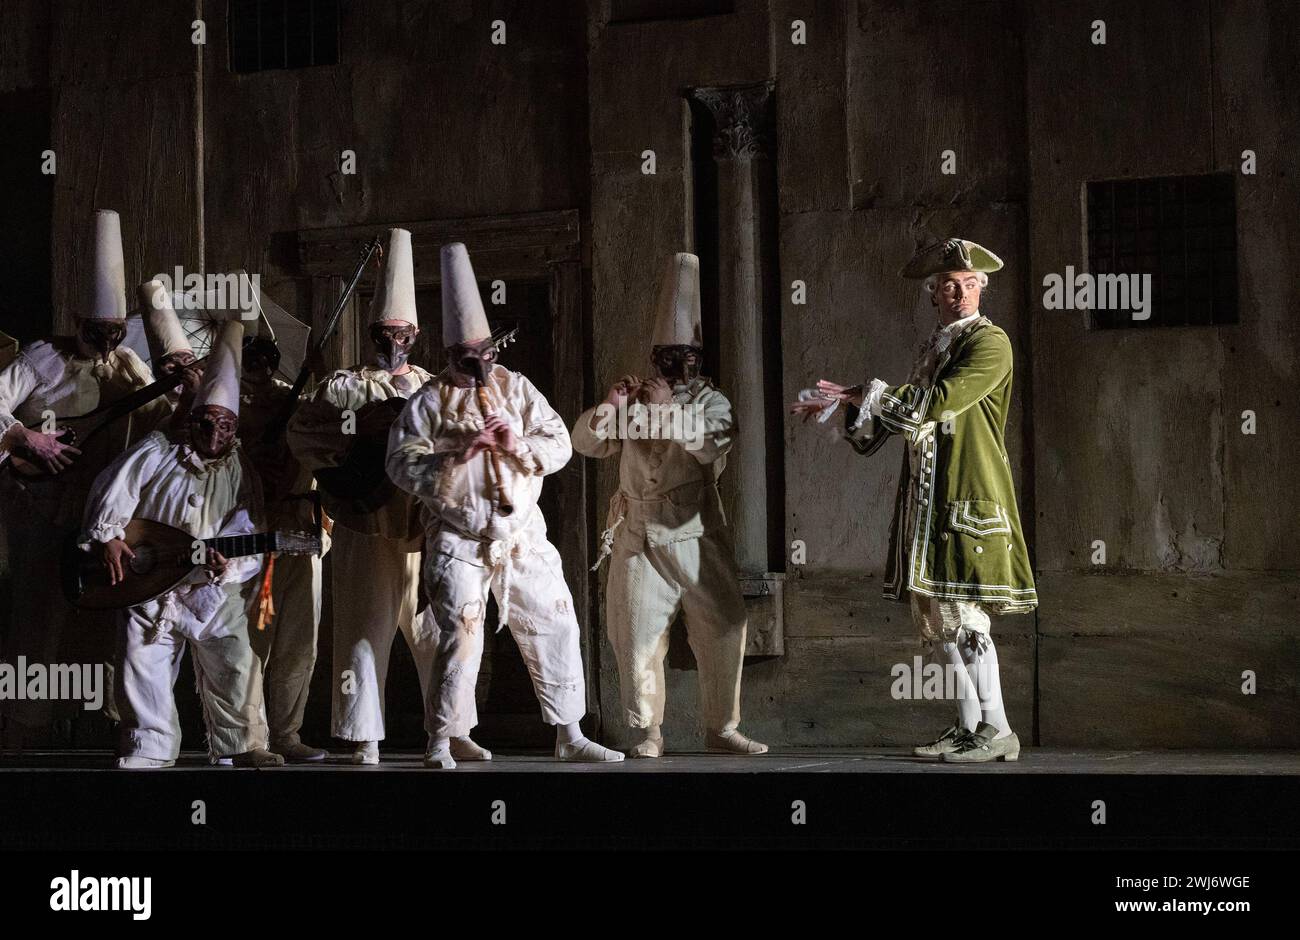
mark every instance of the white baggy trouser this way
{"type": "Point", "coordinates": [376, 593]}
{"type": "Point", "coordinates": [646, 589]}
{"type": "Point", "coordinates": [527, 579]}
{"type": "Point", "coordinates": [229, 681]}
{"type": "Point", "coordinates": [287, 648]}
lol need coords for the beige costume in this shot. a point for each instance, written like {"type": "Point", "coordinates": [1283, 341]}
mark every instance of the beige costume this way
{"type": "Point", "coordinates": [287, 646]}
{"type": "Point", "coordinates": [671, 547]}
{"type": "Point", "coordinates": [375, 557]}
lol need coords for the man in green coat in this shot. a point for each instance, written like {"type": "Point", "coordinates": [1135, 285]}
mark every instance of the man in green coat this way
{"type": "Point", "coordinates": [956, 551]}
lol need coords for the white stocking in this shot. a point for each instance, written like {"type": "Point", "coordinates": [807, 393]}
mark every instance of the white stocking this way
{"type": "Point", "coordinates": [981, 659]}
{"type": "Point", "coordinates": [968, 703]}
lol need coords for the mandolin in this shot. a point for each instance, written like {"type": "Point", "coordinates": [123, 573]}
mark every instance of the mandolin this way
{"type": "Point", "coordinates": [360, 484]}
{"type": "Point", "coordinates": [164, 557]}
{"type": "Point", "coordinates": [81, 429]}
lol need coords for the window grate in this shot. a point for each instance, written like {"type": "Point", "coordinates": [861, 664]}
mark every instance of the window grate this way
{"type": "Point", "coordinates": [639, 11]}
{"type": "Point", "coordinates": [283, 34]}
{"type": "Point", "coordinates": [1182, 231]}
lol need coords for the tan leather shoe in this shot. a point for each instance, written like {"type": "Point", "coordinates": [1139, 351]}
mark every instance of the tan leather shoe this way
{"type": "Point", "coordinates": [981, 745]}
{"type": "Point", "coordinates": [259, 757]}
{"type": "Point", "coordinates": [733, 743]}
{"type": "Point", "coordinates": [295, 752]}
{"type": "Point", "coordinates": [945, 742]}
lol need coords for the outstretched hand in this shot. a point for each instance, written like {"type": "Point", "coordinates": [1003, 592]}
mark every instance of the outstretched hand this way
{"type": "Point", "coordinates": [829, 394]}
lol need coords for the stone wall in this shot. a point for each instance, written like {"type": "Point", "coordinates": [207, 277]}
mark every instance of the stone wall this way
{"type": "Point", "coordinates": [1132, 437]}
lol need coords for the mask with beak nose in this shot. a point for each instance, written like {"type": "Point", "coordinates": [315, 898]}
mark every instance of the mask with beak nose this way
{"type": "Point", "coordinates": [393, 341]}
{"type": "Point", "coordinates": [212, 430]}
{"type": "Point", "coordinates": [101, 337]}
{"type": "Point", "coordinates": [471, 362]}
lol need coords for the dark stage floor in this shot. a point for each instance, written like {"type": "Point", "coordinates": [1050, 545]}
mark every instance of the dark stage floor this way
{"type": "Point", "coordinates": [863, 761]}
{"type": "Point", "coordinates": [1053, 798]}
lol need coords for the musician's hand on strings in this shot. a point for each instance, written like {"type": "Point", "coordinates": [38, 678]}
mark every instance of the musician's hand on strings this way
{"type": "Point", "coordinates": [503, 437]}
{"type": "Point", "coordinates": [114, 555]}
{"type": "Point", "coordinates": [190, 377]}
{"type": "Point", "coordinates": [623, 389]}
{"type": "Point", "coordinates": [217, 563]}
{"type": "Point", "coordinates": [656, 391]}
{"type": "Point", "coordinates": [48, 450]}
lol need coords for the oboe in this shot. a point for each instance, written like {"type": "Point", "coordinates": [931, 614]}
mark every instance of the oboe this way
{"type": "Point", "coordinates": [494, 459]}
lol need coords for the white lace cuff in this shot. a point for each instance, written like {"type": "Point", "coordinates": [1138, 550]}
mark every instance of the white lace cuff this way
{"type": "Point", "coordinates": [104, 531]}
{"type": "Point", "coordinates": [870, 404]}
{"type": "Point", "coordinates": [871, 400]}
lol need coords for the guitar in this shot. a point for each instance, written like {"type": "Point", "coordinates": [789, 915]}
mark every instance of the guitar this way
{"type": "Point", "coordinates": [81, 429]}
{"type": "Point", "coordinates": [164, 557]}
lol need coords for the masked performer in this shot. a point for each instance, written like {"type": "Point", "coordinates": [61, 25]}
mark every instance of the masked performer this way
{"type": "Point", "coordinates": [956, 549]}
{"type": "Point", "coordinates": [170, 352]}
{"type": "Point", "coordinates": [290, 625]}
{"type": "Point", "coordinates": [376, 553]}
{"type": "Point", "coordinates": [202, 484]}
{"type": "Point", "coordinates": [667, 532]}
{"type": "Point", "coordinates": [474, 445]}
{"type": "Point", "coordinates": [42, 499]}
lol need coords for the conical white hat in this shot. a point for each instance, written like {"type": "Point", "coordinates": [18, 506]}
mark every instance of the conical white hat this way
{"type": "Point", "coordinates": [677, 311]}
{"type": "Point", "coordinates": [395, 292]}
{"type": "Point", "coordinates": [162, 328]}
{"type": "Point", "coordinates": [463, 317]}
{"type": "Point", "coordinates": [108, 284]}
{"type": "Point", "coordinates": [220, 385]}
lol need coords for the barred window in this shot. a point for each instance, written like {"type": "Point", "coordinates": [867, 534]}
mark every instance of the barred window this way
{"type": "Point", "coordinates": [283, 34]}
{"type": "Point", "coordinates": [634, 11]}
{"type": "Point", "coordinates": [1180, 230]}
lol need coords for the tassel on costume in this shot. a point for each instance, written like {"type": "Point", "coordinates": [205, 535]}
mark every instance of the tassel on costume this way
{"type": "Point", "coordinates": [265, 606]}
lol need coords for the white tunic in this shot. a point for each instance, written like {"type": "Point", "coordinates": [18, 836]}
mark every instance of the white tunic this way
{"type": "Point", "coordinates": [47, 379]}
{"type": "Point", "coordinates": [437, 424]}
{"type": "Point", "coordinates": [167, 481]}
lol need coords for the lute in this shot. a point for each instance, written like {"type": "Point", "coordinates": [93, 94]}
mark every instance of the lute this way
{"type": "Point", "coordinates": [164, 558]}
{"type": "Point", "coordinates": [81, 429]}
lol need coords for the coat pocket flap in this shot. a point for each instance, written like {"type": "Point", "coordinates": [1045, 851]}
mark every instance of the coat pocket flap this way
{"type": "Point", "coordinates": [978, 517]}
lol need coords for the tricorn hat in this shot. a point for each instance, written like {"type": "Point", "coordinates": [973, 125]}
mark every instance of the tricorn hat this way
{"type": "Point", "coordinates": [108, 276]}
{"type": "Point", "coordinates": [951, 254]}
{"type": "Point", "coordinates": [463, 317]}
{"type": "Point", "coordinates": [220, 384]}
{"type": "Point", "coordinates": [677, 310]}
{"type": "Point", "coordinates": [395, 293]}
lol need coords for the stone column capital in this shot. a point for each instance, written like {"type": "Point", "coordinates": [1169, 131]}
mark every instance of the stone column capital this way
{"type": "Point", "coordinates": [743, 120]}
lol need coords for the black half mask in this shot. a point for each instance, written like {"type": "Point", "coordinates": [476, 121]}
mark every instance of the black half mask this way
{"type": "Point", "coordinates": [103, 336]}
{"type": "Point", "coordinates": [678, 364]}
